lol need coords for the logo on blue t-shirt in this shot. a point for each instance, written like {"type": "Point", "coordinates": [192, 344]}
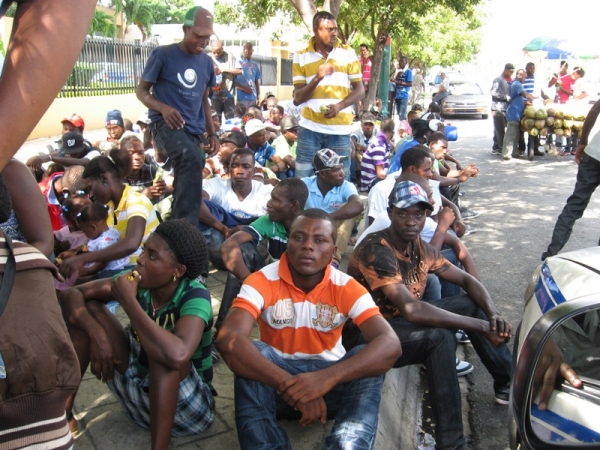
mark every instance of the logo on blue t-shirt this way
{"type": "Point", "coordinates": [191, 78]}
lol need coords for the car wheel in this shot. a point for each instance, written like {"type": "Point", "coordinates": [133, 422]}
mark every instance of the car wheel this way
{"type": "Point", "coordinates": [484, 116]}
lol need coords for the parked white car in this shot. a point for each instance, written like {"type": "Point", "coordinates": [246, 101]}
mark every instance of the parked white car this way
{"type": "Point", "coordinates": [560, 332]}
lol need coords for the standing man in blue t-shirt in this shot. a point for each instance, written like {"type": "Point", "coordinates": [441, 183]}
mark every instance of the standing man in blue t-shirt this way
{"type": "Point", "coordinates": [248, 83]}
{"type": "Point", "coordinates": [513, 115]}
{"type": "Point", "coordinates": [403, 81]}
{"type": "Point", "coordinates": [180, 76]}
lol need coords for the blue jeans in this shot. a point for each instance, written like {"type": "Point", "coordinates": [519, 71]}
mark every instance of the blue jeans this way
{"type": "Point", "coordinates": [354, 405]}
{"type": "Point", "coordinates": [401, 106]}
{"type": "Point", "coordinates": [310, 142]}
{"type": "Point", "coordinates": [450, 289]}
{"type": "Point", "coordinates": [184, 150]}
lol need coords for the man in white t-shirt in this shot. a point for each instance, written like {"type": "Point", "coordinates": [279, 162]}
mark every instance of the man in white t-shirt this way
{"type": "Point", "coordinates": [231, 203]}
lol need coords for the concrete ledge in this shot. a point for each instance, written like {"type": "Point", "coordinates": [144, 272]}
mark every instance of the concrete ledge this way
{"type": "Point", "coordinates": [400, 409]}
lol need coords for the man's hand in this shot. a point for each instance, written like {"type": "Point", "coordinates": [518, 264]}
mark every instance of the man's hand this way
{"type": "Point", "coordinates": [214, 145]}
{"type": "Point", "coordinates": [157, 188]}
{"type": "Point", "coordinates": [324, 70]}
{"type": "Point", "coordinates": [314, 411]}
{"type": "Point", "coordinates": [35, 162]}
{"type": "Point", "coordinates": [550, 365]}
{"type": "Point", "coordinates": [334, 110]}
{"type": "Point", "coordinates": [500, 326]}
{"type": "Point", "coordinates": [102, 357]}
{"type": "Point", "coordinates": [446, 217]}
{"type": "Point", "coordinates": [471, 171]}
{"type": "Point", "coordinates": [172, 118]}
{"type": "Point", "coordinates": [459, 228]}
{"type": "Point", "coordinates": [579, 153]}
{"type": "Point", "coordinates": [299, 390]}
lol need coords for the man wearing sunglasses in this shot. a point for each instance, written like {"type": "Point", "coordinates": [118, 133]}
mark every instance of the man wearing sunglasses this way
{"type": "Point", "coordinates": [57, 188]}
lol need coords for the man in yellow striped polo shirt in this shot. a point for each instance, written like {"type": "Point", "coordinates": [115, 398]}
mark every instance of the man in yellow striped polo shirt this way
{"type": "Point", "coordinates": [327, 82]}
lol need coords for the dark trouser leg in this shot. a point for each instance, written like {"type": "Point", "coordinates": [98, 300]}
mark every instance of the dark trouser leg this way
{"type": "Point", "coordinates": [497, 360]}
{"type": "Point", "coordinates": [217, 104]}
{"type": "Point", "coordinates": [521, 141]}
{"type": "Point", "coordinates": [588, 179]}
{"type": "Point", "coordinates": [254, 262]}
{"type": "Point", "coordinates": [449, 289]}
{"type": "Point", "coordinates": [188, 161]}
{"type": "Point", "coordinates": [436, 349]}
{"type": "Point", "coordinates": [228, 107]}
{"type": "Point", "coordinates": [451, 193]}
{"type": "Point", "coordinates": [499, 129]}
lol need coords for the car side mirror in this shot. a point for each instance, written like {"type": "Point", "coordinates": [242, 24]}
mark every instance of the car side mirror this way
{"type": "Point", "coordinates": [550, 412]}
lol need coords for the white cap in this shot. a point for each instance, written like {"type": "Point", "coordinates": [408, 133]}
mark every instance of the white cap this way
{"type": "Point", "coordinates": [143, 118]}
{"type": "Point", "coordinates": [253, 126]}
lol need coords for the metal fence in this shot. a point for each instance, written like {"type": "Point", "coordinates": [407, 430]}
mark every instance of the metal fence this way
{"type": "Point", "coordinates": [286, 72]}
{"type": "Point", "coordinates": [107, 66]}
{"type": "Point", "coordinates": [113, 66]}
{"type": "Point", "coordinates": [268, 69]}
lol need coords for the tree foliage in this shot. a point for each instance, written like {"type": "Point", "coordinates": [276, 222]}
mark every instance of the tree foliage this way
{"type": "Point", "coordinates": [138, 12]}
{"type": "Point", "coordinates": [171, 12]}
{"type": "Point", "coordinates": [104, 23]}
{"type": "Point", "coordinates": [428, 31]}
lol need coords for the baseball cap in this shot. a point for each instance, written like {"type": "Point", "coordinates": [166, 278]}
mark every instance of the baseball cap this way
{"type": "Point", "coordinates": [75, 120]}
{"type": "Point", "coordinates": [509, 66]}
{"type": "Point", "coordinates": [326, 159]}
{"type": "Point", "coordinates": [374, 109]}
{"type": "Point", "coordinates": [253, 126]}
{"type": "Point", "coordinates": [368, 118]}
{"type": "Point", "coordinates": [143, 118]}
{"type": "Point", "coordinates": [288, 123]}
{"type": "Point", "coordinates": [201, 18]}
{"type": "Point", "coordinates": [72, 142]}
{"type": "Point", "coordinates": [237, 138]}
{"type": "Point", "coordinates": [408, 193]}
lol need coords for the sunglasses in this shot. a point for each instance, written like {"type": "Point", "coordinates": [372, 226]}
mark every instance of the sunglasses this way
{"type": "Point", "coordinates": [67, 193]}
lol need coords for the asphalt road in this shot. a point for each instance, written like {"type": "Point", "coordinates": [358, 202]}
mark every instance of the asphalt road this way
{"type": "Point", "coordinates": [520, 201]}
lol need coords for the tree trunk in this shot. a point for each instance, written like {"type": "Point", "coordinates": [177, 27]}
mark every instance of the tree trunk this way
{"type": "Point", "coordinates": [376, 59]}
{"type": "Point", "coordinates": [307, 10]}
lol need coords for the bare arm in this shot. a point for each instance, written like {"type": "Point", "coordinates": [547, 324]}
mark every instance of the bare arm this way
{"type": "Point", "coordinates": [34, 72]}
{"type": "Point", "coordinates": [462, 253]}
{"type": "Point", "coordinates": [232, 254]}
{"type": "Point", "coordinates": [241, 355]}
{"type": "Point", "coordinates": [171, 116]}
{"type": "Point", "coordinates": [124, 247]}
{"type": "Point", "coordinates": [171, 349]}
{"type": "Point", "coordinates": [349, 210]}
{"type": "Point", "coordinates": [422, 313]}
{"type": "Point", "coordinates": [213, 139]}
{"type": "Point", "coordinates": [205, 217]}
{"type": "Point", "coordinates": [30, 206]}
{"type": "Point", "coordinates": [589, 123]}
{"type": "Point", "coordinates": [382, 350]}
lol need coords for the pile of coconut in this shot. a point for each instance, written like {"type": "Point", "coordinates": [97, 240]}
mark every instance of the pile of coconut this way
{"type": "Point", "coordinates": [557, 119]}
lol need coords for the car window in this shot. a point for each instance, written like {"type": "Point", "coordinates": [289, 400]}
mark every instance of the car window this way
{"type": "Point", "coordinates": [556, 407]}
{"type": "Point", "coordinates": [465, 89]}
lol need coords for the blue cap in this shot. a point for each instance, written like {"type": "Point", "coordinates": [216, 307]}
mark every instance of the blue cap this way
{"type": "Point", "coordinates": [407, 193]}
{"type": "Point", "coordinates": [114, 117]}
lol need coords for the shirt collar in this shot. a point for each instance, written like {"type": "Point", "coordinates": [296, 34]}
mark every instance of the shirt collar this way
{"type": "Point", "coordinates": [286, 275]}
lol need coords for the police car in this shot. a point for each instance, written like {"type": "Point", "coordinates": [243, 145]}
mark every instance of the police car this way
{"type": "Point", "coordinates": [559, 335]}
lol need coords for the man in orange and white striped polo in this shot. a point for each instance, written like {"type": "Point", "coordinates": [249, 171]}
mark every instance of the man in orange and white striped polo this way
{"type": "Point", "coordinates": [299, 369]}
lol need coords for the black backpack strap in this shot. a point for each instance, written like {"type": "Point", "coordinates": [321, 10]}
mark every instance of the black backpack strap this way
{"type": "Point", "coordinates": [9, 275]}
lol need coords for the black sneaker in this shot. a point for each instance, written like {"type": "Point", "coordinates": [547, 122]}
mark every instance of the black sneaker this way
{"type": "Point", "coordinates": [496, 151]}
{"type": "Point", "coordinates": [462, 337]}
{"type": "Point", "coordinates": [502, 395]}
{"type": "Point", "coordinates": [468, 214]}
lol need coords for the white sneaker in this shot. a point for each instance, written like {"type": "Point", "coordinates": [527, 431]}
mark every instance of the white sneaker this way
{"type": "Point", "coordinates": [463, 368]}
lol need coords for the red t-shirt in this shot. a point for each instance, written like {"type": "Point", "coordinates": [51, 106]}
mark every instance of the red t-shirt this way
{"type": "Point", "coordinates": [47, 189]}
{"type": "Point", "coordinates": [567, 83]}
